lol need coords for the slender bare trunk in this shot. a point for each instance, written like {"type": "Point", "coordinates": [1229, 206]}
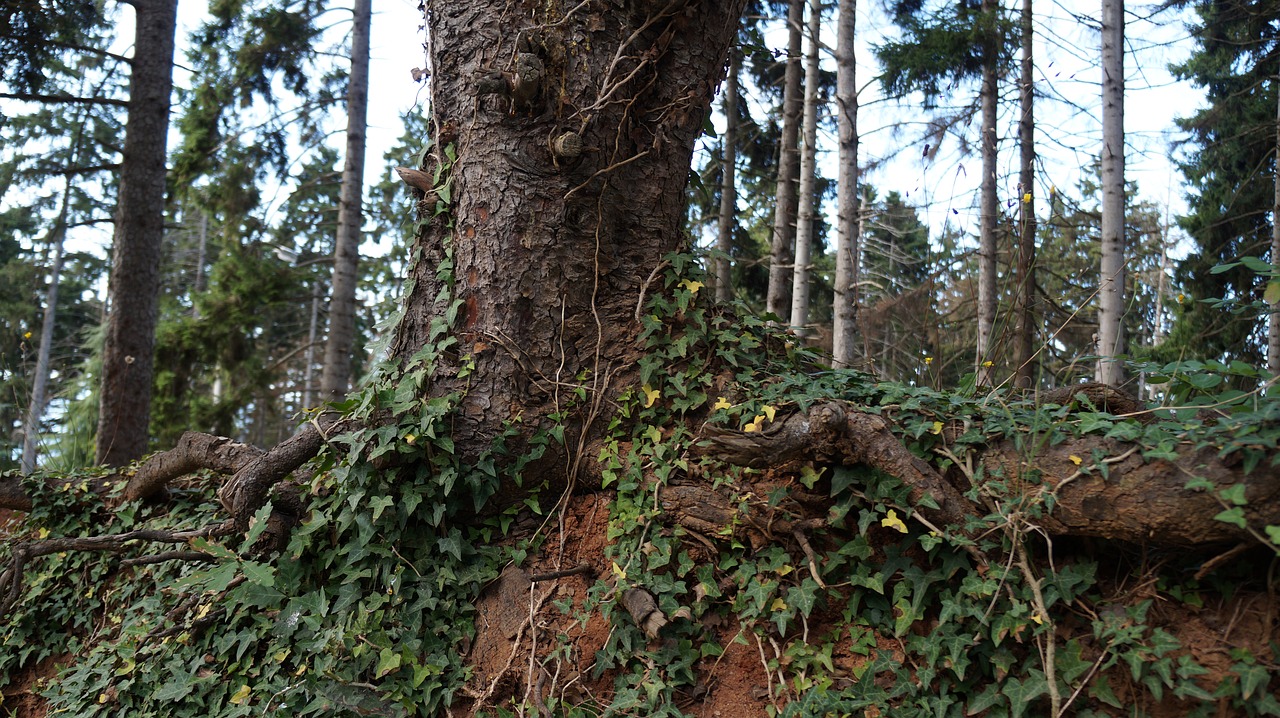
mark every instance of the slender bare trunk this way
{"type": "Point", "coordinates": [1023, 337]}
{"type": "Point", "coordinates": [336, 377]}
{"type": "Point", "coordinates": [782, 242]}
{"type": "Point", "coordinates": [728, 188]}
{"type": "Point", "coordinates": [40, 384]}
{"type": "Point", "coordinates": [808, 174]}
{"type": "Point", "coordinates": [847, 237]}
{"type": "Point", "coordinates": [1273, 327]}
{"type": "Point", "coordinates": [134, 286]}
{"type": "Point", "coordinates": [308, 375]}
{"type": "Point", "coordinates": [1111, 284]}
{"type": "Point", "coordinates": [989, 208]}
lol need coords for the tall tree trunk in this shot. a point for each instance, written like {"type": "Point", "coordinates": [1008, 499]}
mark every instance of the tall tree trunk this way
{"type": "Point", "coordinates": [40, 384]}
{"type": "Point", "coordinates": [1111, 281]}
{"type": "Point", "coordinates": [543, 252]}
{"type": "Point", "coordinates": [336, 377]}
{"type": "Point", "coordinates": [134, 286]}
{"type": "Point", "coordinates": [728, 188]}
{"type": "Point", "coordinates": [808, 176]}
{"type": "Point", "coordinates": [782, 242]}
{"type": "Point", "coordinates": [847, 237]}
{"type": "Point", "coordinates": [989, 208]}
{"type": "Point", "coordinates": [1023, 335]}
{"type": "Point", "coordinates": [1273, 327]}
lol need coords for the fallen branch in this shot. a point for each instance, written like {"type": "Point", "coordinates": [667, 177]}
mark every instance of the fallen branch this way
{"type": "Point", "coordinates": [11, 579]}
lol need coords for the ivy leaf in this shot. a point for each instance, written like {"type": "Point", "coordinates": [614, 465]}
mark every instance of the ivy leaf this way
{"type": "Point", "coordinates": [388, 661]}
{"type": "Point", "coordinates": [217, 551]}
{"type": "Point", "coordinates": [1271, 294]}
{"type": "Point", "coordinates": [1233, 516]}
{"type": "Point", "coordinates": [1252, 677]}
{"type": "Point", "coordinates": [1021, 693]}
{"type": "Point", "coordinates": [260, 573]}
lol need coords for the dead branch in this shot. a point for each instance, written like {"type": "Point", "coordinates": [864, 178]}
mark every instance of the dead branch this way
{"type": "Point", "coordinates": [23, 552]}
{"type": "Point", "coordinates": [831, 432]}
{"type": "Point", "coordinates": [194, 451]}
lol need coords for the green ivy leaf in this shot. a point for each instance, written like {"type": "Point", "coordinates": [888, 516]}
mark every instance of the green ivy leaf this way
{"type": "Point", "coordinates": [260, 573]}
{"type": "Point", "coordinates": [1233, 516]}
{"type": "Point", "coordinates": [388, 661]}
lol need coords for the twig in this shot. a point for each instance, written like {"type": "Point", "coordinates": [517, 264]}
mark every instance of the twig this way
{"type": "Point", "coordinates": [583, 570]}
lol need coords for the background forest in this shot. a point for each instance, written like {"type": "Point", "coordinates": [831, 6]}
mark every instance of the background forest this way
{"type": "Point", "coordinates": [256, 162]}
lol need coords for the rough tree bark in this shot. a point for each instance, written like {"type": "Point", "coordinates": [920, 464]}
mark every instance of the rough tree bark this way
{"type": "Point", "coordinates": [782, 243]}
{"type": "Point", "coordinates": [336, 377]}
{"type": "Point", "coordinates": [134, 286]}
{"type": "Point", "coordinates": [573, 135]}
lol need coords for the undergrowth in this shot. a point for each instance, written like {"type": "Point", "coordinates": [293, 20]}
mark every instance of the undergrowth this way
{"type": "Point", "coordinates": [368, 609]}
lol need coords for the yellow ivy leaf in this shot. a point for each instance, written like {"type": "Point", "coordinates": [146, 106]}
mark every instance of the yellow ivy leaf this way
{"type": "Point", "coordinates": [241, 696]}
{"type": "Point", "coordinates": [654, 434]}
{"type": "Point", "coordinates": [1075, 459]}
{"type": "Point", "coordinates": [691, 285]}
{"type": "Point", "coordinates": [891, 521]}
{"type": "Point", "coordinates": [203, 611]}
{"type": "Point", "coordinates": [928, 361]}
{"type": "Point", "coordinates": [722, 403]}
{"type": "Point", "coordinates": [937, 428]}
{"type": "Point", "coordinates": [103, 697]}
{"type": "Point", "coordinates": [410, 438]}
{"type": "Point", "coordinates": [27, 335]}
{"type": "Point", "coordinates": [617, 571]}
{"type": "Point", "coordinates": [301, 669]}
{"type": "Point", "coordinates": [988, 363]}
{"type": "Point", "coordinates": [650, 395]}
{"type": "Point", "coordinates": [778, 605]}
{"type": "Point", "coordinates": [754, 424]}
{"type": "Point", "coordinates": [1026, 198]}
{"type": "Point", "coordinates": [769, 411]}
{"type": "Point", "coordinates": [1036, 617]}
{"type": "Point", "coordinates": [280, 656]}
{"type": "Point", "coordinates": [44, 533]}
{"type": "Point", "coordinates": [785, 570]}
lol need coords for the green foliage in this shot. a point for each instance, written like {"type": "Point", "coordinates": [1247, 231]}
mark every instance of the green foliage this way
{"type": "Point", "coordinates": [363, 611]}
{"type": "Point", "coordinates": [1230, 162]}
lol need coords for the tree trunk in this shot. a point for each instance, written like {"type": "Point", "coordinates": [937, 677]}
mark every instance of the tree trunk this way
{"type": "Point", "coordinates": [847, 237]}
{"type": "Point", "coordinates": [989, 209]}
{"type": "Point", "coordinates": [1111, 280]}
{"type": "Point", "coordinates": [40, 383]}
{"type": "Point", "coordinates": [134, 286]}
{"type": "Point", "coordinates": [1024, 335]}
{"type": "Point", "coordinates": [728, 189]}
{"type": "Point", "coordinates": [560, 165]}
{"type": "Point", "coordinates": [808, 175]}
{"type": "Point", "coordinates": [336, 377]}
{"type": "Point", "coordinates": [782, 243]}
{"type": "Point", "coordinates": [1273, 326]}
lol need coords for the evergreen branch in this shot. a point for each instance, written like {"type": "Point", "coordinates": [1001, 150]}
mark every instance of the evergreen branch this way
{"type": "Point", "coordinates": [62, 99]}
